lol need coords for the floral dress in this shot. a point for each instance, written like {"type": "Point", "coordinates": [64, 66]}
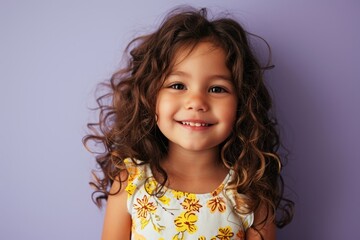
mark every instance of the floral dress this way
{"type": "Point", "coordinates": [180, 215]}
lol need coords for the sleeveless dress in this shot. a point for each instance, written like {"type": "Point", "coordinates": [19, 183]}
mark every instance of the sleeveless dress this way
{"type": "Point", "coordinates": [179, 215]}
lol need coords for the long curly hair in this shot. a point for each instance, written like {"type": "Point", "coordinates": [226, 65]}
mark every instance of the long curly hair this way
{"type": "Point", "coordinates": [127, 125]}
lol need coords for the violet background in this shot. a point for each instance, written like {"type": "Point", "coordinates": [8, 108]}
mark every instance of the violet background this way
{"type": "Point", "coordinates": [53, 53]}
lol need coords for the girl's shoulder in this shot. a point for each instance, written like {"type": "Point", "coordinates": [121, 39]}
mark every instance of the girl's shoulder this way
{"type": "Point", "coordinates": [136, 167]}
{"type": "Point", "coordinates": [138, 172]}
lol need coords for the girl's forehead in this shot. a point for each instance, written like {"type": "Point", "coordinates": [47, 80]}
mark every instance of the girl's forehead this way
{"type": "Point", "coordinates": [194, 50]}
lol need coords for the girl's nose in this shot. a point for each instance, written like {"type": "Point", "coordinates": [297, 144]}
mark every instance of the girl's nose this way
{"type": "Point", "coordinates": [197, 102]}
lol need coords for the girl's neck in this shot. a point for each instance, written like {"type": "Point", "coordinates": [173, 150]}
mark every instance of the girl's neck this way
{"type": "Point", "coordinates": [194, 171]}
{"type": "Point", "coordinates": [192, 161]}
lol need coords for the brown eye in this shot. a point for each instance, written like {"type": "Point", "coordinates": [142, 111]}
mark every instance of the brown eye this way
{"type": "Point", "coordinates": [177, 86]}
{"type": "Point", "coordinates": [217, 90]}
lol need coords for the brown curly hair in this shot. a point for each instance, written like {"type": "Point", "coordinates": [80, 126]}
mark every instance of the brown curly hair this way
{"type": "Point", "coordinates": [127, 121]}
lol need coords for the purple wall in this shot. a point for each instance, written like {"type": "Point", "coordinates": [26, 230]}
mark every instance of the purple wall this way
{"type": "Point", "coordinates": [52, 53]}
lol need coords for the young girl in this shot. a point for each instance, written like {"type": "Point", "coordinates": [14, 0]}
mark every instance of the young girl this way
{"type": "Point", "coordinates": [190, 149]}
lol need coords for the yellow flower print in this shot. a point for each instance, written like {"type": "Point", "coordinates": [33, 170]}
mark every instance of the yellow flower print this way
{"type": "Point", "coordinates": [191, 205]}
{"type": "Point", "coordinates": [186, 222]}
{"type": "Point", "coordinates": [190, 195]}
{"type": "Point", "coordinates": [133, 170]}
{"type": "Point", "coordinates": [217, 191]}
{"type": "Point", "coordinates": [157, 227]}
{"type": "Point", "coordinates": [216, 203]}
{"type": "Point", "coordinates": [202, 238]}
{"type": "Point", "coordinates": [130, 188]}
{"type": "Point", "coordinates": [133, 173]}
{"type": "Point", "coordinates": [178, 194]}
{"type": "Point", "coordinates": [144, 207]}
{"type": "Point", "coordinates": [178, 236]}
{"type": "Point", "coordinates": [150, 185]}
{"type": "Point", "coordinates": [225, 233]}
{"type": "Point", "coordinates": [165, 200]}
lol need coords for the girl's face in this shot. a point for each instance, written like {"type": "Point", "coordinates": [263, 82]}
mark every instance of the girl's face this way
{"type": "Point", "coordinates": [196, 106]}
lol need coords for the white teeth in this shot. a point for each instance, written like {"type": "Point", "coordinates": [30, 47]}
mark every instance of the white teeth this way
{"type": "Point", "coordinates": [195, 124]}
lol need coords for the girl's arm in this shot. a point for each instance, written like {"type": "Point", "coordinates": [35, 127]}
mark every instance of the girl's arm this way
{"type": "Point", "coordinates": [117, 222]}
{"type": "Point", "coordinates": [267, 229]}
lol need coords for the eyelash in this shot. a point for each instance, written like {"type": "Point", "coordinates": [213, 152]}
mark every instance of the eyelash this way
{"type": "Point", "coordinates": [214, 89]}
{"type": "Point", "coordinates": [177, 86]}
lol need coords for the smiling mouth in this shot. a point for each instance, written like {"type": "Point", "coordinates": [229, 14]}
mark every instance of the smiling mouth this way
{"type": "Point", "coordinates": [196, 124]}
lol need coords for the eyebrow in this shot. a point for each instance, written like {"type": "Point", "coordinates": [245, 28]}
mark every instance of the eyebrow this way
{"type": "Point", "coordinates": [215, 76]}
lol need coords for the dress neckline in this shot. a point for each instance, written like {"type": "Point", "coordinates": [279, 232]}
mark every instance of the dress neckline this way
{"type": "Point", "coordinates": [213, 193]}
